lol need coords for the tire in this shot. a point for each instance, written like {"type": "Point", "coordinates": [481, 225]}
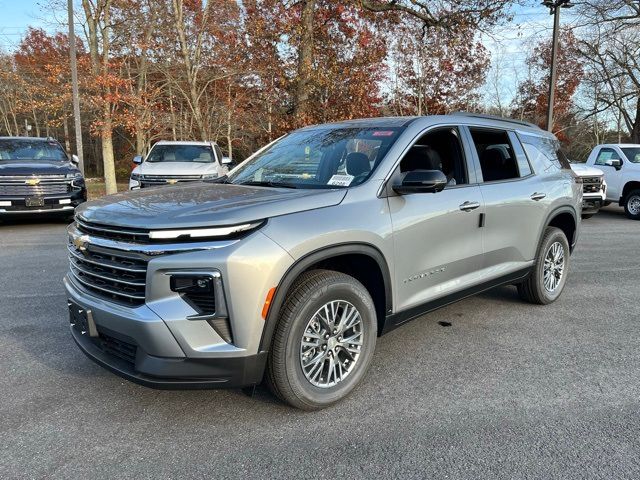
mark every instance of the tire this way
{"type": "Point", "coordinates": [534, 289]}
{"type": "Point", "coordinates": [301, 317]}
{"type": "Point", "coordinates": [632, 205]}
{"type": "Point", "coordinates": [587, 216]}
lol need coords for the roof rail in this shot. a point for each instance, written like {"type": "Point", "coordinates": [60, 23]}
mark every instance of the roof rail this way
{"type": "Point", "coordinates": [500, 119]}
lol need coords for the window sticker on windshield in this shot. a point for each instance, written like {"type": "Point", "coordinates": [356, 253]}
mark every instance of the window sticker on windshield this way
{"type": "Point", "coordinates": [383, 133]}
{"type": "Point", "coordinates": [341, 180]}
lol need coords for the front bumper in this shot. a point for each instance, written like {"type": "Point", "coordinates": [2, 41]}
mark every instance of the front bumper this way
{"type": "Point", "coordinates": [52, 204]}
{"type": "Point", "coordinates": [148, 353]}
{"type": "Point", "coordinates": [591, 205]}
{"type": "Point", "coordinates": [175, 373]}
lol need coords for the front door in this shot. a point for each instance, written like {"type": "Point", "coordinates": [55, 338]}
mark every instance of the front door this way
{"type": "Point", "coordinates": [437, 236]}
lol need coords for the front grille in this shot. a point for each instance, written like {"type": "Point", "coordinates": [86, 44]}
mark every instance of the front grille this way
{"type": "Point", "coordinates": [116, 347]}
{"type": "Point", "coordinates": [158, 180]}
{"type": "Point", "coordinates": [591, 184]}
{"type": "Point", "coordinates": [134, 235]}
{"type": "Point", "coordinates": [17, 186]}
{"type": "Point", "coordinates": [109, 274]}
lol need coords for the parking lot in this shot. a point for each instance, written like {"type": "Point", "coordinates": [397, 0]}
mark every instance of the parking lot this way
{"type": "Point", "coordinates": [508, 390]}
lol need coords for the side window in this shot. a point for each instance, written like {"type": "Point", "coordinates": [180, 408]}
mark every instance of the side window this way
{"type": "Point", "coordinates": [497, 158]}
{"type": "Point", "coordinates": [438, 150]}
{"type": "Point", "coordinates": [521, 157]}
{"type": "Point", "coordinates": [544, 153]}
{"type": "Point", "coordinates": [606, 154]}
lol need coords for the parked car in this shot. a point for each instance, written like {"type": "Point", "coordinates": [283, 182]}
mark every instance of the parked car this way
{"type": "Point", "coordinates": [169, 163]}
{"type": "Point", "coordinates": [594, 188]}
{"type": "Point", "coordinates": [291, 265]}
{"type": "Point", "coordinates": [38, 177]}
{"type": "Point", "coordinates": [621, 166]}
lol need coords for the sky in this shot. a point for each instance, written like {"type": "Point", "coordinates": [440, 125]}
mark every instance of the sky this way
{"type": "Point", "coordinates": [508, 45]}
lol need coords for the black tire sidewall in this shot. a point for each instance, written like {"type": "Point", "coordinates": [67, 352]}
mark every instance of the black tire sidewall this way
{"type": "Point", "coordinates": [626, 205]}
{"type": "Point", "coordinates": [359, 298]}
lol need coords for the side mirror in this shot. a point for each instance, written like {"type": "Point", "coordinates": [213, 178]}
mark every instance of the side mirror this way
{"type": "Point", "coordinates": [615, 163]}
{"type": "Point", "coordinates": [420, 181]}
{"type": "Point", "coordinates": [75, 160]}
{"type": "Point", "coordinates": [226, 161]}
{"type": "Point", "coordinates": [137, 159]}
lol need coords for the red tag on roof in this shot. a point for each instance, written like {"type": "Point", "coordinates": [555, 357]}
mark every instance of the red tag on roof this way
{"type": "Point", "coordinates": [383, 133]}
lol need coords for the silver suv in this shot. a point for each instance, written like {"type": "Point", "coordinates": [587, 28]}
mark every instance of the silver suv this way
{"type": "Point", "coordinates": [291, 266]}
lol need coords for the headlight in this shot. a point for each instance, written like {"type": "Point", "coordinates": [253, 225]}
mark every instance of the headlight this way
{"type": "Point", "coordinates": [135, 176]}
{"type": "Point", "coordinates": [210, 176]}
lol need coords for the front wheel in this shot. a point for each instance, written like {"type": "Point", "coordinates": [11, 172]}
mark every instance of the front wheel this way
{"type": "Point", "coordinates": [324, 340]}
{"type": "Point", "coordinates": [632, 205]}
{"type": "Point", "coordinates": [549, 274]}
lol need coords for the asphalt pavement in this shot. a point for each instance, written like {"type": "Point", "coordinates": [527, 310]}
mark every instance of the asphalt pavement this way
{"type": "Point", "coordinates": [508, 390]}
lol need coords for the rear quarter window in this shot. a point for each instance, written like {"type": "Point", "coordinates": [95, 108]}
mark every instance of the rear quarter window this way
{"type": "Point", "coordinates": [544, 153]}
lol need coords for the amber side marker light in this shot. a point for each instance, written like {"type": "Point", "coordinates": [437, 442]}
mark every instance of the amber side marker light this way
{"type": "Point", "coordinates": [267, 303]}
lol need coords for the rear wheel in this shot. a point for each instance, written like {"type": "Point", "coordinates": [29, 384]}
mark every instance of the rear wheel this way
{"type": "Point", "coordinates": [632, 205]}
{"type": "Point", "coordinates": [324, 340]}
{"type": "Point", "coordinates": [549, 274]}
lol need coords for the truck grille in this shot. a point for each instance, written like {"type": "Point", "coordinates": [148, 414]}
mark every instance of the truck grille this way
{"type": "Point", "coordinates": [17, 186]}
{"type": "Point", "coordinates": [133, 235]}
{"type": "Point", "coordinates": [116, 347]}
{"type": "Point", "coordinates": [158, 180]}
{"type": "Point", "coordinates": [591, 184]}
{"type": "Point", "coordinates": [109, 274]}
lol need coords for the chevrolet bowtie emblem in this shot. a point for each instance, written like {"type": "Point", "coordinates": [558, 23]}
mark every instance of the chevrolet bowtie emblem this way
{"type": "Point", "coordinates": [81, 242]}
{"type": "Point", "coordinates": [172, 182]}
{"type": "Point", "coordinates": [32, 181]}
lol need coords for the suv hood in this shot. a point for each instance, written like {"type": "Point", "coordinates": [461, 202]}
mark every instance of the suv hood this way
{"type": "Point", "coordinates": [584, 170]}
{"type": "Point", "coordinates": [202, 205]}
{"type": "Point", "coordinates": [36, 167]}
{"type": "Point", "coordinates": [176, 168]}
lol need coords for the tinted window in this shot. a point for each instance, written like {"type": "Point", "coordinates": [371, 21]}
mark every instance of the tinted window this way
{"type": "Point", "coordinates": [497, 158]}
{"type": "Point", "coordinates": [632, 154]}
{"type": "Point", "coordinates": [322, 157]}
{"type": "Point", "coordinates": [438, 150]}
{"type": "Point", "coordinates": [181, 153]}
{"type": "Point", "coordinates": [22, 149]}
{"type": "Point", "coordinates": [521, 157]}
{"type": "Point", "coordinates": [606, 154]}
{"type": "Point", "coordinates": [544, 153]}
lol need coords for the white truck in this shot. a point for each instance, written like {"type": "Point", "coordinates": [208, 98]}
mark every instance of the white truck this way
{"type": "Point", "coordinates": [170, 162]}
{"type": "Point", "coordinates": [621, 166]}
{"type": "Point", "coordinates": [594, 188]}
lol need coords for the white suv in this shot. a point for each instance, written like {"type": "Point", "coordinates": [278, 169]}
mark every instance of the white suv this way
{"type": "Point", "coordinates": [621, 166]}
{"type": "Point", "coordinates": [169, 163]}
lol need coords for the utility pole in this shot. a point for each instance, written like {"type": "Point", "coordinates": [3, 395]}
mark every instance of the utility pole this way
{"type": "Point", "coordinates": [74, 87]}
{"type": "Point", "coordinates": [554, 9]}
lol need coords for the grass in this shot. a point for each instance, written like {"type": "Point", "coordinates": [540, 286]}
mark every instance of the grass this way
{"type": "Point", "coordinates": [96, 189]}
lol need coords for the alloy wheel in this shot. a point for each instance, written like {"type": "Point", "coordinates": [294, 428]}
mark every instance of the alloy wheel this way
{"type": "Point", "coordinates": [554, 266]}
{"type": "Point", "coordinates": [331, 343]}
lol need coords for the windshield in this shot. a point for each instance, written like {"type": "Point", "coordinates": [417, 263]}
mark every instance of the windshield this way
{"type": "Point", "coordinates": [632, 153]}
{"type": "Point", "coordinates": [38, 150]}
{"type": "Point", "coordinates": [322, 157]}
{"type": "Point", "coordinates": [181, 153]}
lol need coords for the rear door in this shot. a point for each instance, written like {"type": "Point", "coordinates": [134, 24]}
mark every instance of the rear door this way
{"type": "Point", "coordinates": [516, 201]}
{"type": "Point", "coordinates": [437, 236]}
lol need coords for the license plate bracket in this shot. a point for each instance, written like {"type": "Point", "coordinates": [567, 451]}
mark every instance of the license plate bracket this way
{"type": "Point", "coordinates": [82, 320]}
{"type": "Point", "coordinates": [34, 202]}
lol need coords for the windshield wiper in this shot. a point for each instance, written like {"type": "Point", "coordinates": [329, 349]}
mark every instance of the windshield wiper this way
{"type": "Point", "coordinates": [264, 183]}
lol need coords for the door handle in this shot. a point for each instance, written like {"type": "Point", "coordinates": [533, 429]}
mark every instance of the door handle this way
{"type": "Point", "coordinates": [538, 196]}
{"type": "Point", "coordinates": [468, 206]}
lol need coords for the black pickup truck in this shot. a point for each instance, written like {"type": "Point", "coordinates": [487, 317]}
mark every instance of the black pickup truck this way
{"type": "Point", "coordinates": [38, 177]}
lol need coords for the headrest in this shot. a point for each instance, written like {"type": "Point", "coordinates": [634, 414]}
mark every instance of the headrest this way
{"type": "Point", "coordinates": [169, 157]}
{"type": "Point", "coordinates": [357, 163]}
